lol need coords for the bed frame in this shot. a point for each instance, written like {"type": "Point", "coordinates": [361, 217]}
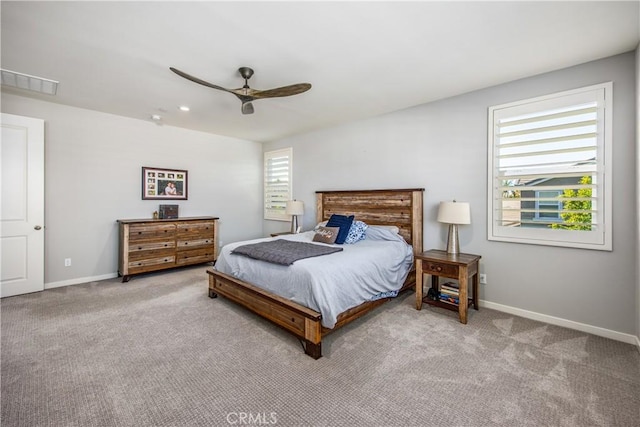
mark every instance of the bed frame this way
{"type": "Point", "coordinates": [402, 208]}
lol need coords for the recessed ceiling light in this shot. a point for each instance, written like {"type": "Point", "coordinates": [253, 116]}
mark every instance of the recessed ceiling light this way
{"type": "Point", "coordinates": [157, 119]}
{"type": "Point", "coordinates": [184, 108]}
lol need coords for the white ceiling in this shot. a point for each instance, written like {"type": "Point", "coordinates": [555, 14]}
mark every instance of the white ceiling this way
{"type": "Point", "coordinates": [362, 58]}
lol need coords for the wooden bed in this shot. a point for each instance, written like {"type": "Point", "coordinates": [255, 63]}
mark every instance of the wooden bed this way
{"type": "Point", "coordinates": [402, 208]}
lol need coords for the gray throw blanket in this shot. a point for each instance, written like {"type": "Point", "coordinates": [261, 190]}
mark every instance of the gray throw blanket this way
{"type": "Point", "coordinates": [284, 252]}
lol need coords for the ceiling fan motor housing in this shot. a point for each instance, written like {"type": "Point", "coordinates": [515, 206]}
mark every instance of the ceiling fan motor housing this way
{"type": "Point", "coordinates": [245, 72]}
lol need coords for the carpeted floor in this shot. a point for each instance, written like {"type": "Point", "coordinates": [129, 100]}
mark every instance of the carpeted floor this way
{"type": "Point", "coordinates": [158, 352]}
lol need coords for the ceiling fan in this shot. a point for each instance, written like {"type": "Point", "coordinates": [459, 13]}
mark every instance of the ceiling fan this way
{"type": "Point", "coordinates": [245, 93]}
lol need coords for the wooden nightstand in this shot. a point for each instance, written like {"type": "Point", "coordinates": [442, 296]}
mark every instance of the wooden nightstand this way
{"type": "Point", "coordinates": [283, 233]}
{"type": "Point", "coordinates": [441, 264]}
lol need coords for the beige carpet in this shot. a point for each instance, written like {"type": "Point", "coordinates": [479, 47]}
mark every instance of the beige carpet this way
{"type": "Point", "coordinates": [158, 352]}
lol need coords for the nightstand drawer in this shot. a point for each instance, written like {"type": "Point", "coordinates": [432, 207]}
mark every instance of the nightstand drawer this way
{"type": "Point", "coordinates": [441, 269]}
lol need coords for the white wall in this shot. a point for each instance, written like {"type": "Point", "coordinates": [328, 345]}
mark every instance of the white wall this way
{"type": "Point", "coordinates": [442, 146]}
{"type": "Point", "coordinates": [93, 177]}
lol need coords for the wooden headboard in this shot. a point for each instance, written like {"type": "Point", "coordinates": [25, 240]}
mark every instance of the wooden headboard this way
{"type": "Point", "coordinates": [402, 208]}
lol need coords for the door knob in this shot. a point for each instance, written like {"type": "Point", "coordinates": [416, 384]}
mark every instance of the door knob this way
{"type": "Point", "coordinates": [37, 227]}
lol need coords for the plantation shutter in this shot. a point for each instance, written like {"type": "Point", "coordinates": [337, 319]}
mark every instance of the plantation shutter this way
{"type": "Point", "coordinates": [277, 183]}
{"type": "Point", "coordinates": [547, 166]}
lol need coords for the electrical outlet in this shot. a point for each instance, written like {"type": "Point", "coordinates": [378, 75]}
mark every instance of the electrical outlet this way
{"type": "Point", "coordinates": [67, 262]}
{"type": "Point", "coordinates": [483, 279]}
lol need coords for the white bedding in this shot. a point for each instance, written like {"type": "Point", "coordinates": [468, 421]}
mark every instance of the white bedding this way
{"type": "Point", "coordinates": [329, 284]}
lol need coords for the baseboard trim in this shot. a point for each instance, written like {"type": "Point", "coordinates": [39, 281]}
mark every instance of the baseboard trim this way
{"type": "Point", "coordinates": [79, 281]}
{"type": "Point", "coordinates": [595, 330]}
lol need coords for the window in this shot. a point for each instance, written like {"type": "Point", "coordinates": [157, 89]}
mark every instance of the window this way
{"type": "Point", "coordinates": [277, 183]}
{"type": "Point", "coordinates": [549, 179]}
{"type": "Point", "coordinates": [548, 206]}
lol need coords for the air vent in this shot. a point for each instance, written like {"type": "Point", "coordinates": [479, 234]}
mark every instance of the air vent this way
{"type": "Point", "coordinates": [27, 82]}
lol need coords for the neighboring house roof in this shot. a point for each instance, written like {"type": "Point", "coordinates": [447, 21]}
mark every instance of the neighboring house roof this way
{"type": "Point", "coordinates": [586, 167]}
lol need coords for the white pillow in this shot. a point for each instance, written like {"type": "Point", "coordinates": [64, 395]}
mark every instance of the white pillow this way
{"type": "Point", "coordinates": [392, 228]}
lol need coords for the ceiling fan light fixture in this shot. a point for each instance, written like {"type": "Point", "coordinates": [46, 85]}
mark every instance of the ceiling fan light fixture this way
{"type": "Point", "coordinates": [245, 94]}
{"type": "Point", "coordinates": [28, 82]}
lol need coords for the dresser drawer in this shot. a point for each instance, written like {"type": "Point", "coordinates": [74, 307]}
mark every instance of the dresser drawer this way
{"type": "Point", "coordinates": [186, 244]}
{"type": "Point", "coordinates": [196, 256]}
{"type": "Point", "coordinates": [142, 246]}
{"type": "Point", "coordinates": [203, 229]}
{"type": "Point", "coordinates": [151, 231]}
{"type": "Point", "coordinates": [445, 270]}
{"type": "Point", "coordinates": [156, 253]}
{"type": "Point", "coordinates": [150, 264]}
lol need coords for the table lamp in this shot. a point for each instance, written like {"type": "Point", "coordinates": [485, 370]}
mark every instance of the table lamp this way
{"type": "Point", "coordinates": [454, 213]}
{"type": "Point", "coordinates": [294, 208]}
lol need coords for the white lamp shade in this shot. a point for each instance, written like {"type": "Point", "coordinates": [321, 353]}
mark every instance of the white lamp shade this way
{"type": "Point", "coordinates": [454, 213]}
{"type": "Point", "coordinates": [294, 207]}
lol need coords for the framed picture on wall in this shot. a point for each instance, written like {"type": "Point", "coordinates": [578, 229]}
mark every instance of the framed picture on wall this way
{"type": "Point", "coordinates": [163, 184]}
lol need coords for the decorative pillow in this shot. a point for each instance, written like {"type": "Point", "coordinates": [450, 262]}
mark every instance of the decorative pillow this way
{"type": "Point", "coordinates": [356, 232]}
{"type": "Point", "coordinates": [326, 234]}
{"type": "Point", "coordinates": [320, 224]}
{"type": "Point", "coordinates": [342, 221]}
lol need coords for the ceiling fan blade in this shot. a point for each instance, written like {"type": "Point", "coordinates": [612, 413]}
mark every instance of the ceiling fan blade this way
{"type": "Point", "coordinates": [281, 91]}
{"type": "Point", "coordinates": [247, 108]}
{"type": "Point", "coordinates": [197, 80]}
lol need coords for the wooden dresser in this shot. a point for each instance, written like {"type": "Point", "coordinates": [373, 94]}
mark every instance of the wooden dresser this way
{"type": "Point", "coordinates": [156, 244]}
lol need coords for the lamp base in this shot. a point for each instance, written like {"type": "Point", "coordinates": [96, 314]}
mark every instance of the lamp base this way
{"type": "Point", "coordinates": [294, 224]}
{"type": "Point", "coordinates": [453, 245]}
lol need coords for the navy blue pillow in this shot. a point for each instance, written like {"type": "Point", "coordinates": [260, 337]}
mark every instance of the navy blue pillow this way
{"type": "Point", "coordinates": [342, 221]}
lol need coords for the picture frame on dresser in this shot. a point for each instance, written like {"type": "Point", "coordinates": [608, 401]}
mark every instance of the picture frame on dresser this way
{"type": "Point", "coordinates": [164, 184]}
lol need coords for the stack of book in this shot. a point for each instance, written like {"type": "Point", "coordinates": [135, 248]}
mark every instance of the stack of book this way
{"type": "Point", "coordinates": [449, 293]}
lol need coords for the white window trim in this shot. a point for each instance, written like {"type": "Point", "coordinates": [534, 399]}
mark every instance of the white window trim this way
{"type": "Point", "coordinates": [269, 214]}
{"type": "Point", "coordinates": [600, 240]}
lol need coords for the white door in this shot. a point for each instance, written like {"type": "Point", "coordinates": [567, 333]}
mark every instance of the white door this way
{"type": "Point", "coordinates": [22, 205]}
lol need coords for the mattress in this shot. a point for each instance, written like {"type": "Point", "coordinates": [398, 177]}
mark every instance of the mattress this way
{"type": "Point", "coordinates": [329, 284]}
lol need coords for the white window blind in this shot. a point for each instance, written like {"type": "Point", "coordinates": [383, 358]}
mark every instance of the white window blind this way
{"type": "Point", "coordinates": [549, 169]}
{"type": "Point", "coordinates": [277, 183]}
